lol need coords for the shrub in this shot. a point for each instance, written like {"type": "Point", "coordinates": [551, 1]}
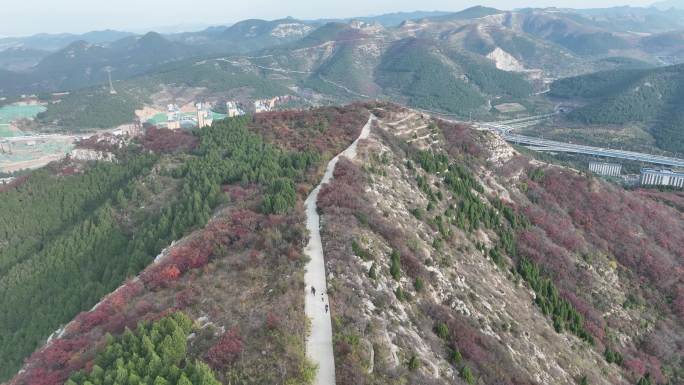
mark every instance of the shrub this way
{"type": "Point", "coordinates": [360, 251]}
{"type": "Point", "coordinates": [418, 284]}
{"type": "Point", "coordinates": [226, 350]}
{"type": "Point", "coordinates": [167, 141]}
{"type": "Point", "coordinates": [467, 375]}
{"type": "Point", "coordinates": [645, 380]}
{"type": "Point", "coordinates": [401, 296]}
{"type": "Point", "coordinates": [413, 363]}
{"type": "Point", "coordinates": [438, 244]}
{"type": "Point", "coordinates": [442, 331]}
{"type": "Point", "coordinates": [455, 357]}
{"type": "Point", "coordinates": [537, 175]}
{"type": "Point", "coordinates": [612, 356]}
{"type": "Point", "coordinates": [272, 321]}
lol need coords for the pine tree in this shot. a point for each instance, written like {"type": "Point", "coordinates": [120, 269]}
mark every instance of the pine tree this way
{"type": "Point", "coordinates": [183, 380]}
{"type": "Point", "coordinates": [395, 265]}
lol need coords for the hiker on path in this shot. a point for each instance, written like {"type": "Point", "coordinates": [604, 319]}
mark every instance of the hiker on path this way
{"type": "Point", "coordinates": [313, 290]}
{"type": "Point", "coordinates": [326, 309]}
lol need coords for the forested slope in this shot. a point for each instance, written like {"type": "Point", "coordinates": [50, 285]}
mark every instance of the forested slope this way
{"type": "Point", "coordinates": [115, 218]}
{"type": "Point", "coordinates": [652, 97]}
{"type": "Point", "coordinates": [63, 250]}
{"type": "Point", "coordinates": [432, 77]}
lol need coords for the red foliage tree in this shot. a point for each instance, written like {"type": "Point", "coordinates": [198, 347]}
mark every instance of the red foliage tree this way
{"type": "Point", "coordinates": [635, 366]}
{"type": "Point", "coordinates": [226, 350]}
{"type": "Point", "coordinates": [461, 139]}
{"type": "Point", "coordinates": [161, 275]}
{"type": "Point", "coordinates": [272, 321]}
{"type": "Point", "coordinates": [91, 319]}
{"type": "Point", "coordinates": [142, 308]}
{"type": "Point", "coordinates": [186, 298]}
{"type": "Point", "coordinates": [15, 183]}
{"type": "Point", "coordinates": [169, 273]}
{"type": "Point", "coordinates": [42, 376]}
{"type": "Point", "coordinates": [168, 141]}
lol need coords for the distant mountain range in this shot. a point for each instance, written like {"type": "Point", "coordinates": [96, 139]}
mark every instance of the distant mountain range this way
{"type": "Point", "coordinates": [390, 19]}
{"type": "Point", "coordinates": [461, 63]}
{"type": "Point", "coordinates": [669, 4]}
{"type": "Point", "coordinates": [21, 58]}
{"type": "Point", "coordinates": [53, 42]}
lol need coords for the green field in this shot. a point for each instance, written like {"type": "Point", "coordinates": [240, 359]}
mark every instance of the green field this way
{"type": "Point", "coordinates": [15, 112]}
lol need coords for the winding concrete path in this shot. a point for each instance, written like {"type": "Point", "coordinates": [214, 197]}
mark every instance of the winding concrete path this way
{"type": "Point", "coordinates": [319, 345]}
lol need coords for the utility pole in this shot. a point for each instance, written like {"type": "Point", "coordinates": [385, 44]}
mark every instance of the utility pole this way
{"type": "Point", "coordinates": [112, 91]}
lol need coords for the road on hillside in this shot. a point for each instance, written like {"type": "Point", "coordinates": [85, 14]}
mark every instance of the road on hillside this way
{"type": "Point", "coordinates": [553, 146]}
{"type": "Point", "coordinates": [505, 129]}
{"type": "Point", "coordinates": [319, 344]}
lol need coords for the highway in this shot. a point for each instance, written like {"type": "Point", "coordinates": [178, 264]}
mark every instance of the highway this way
{"type": "Point", "coordinates": [505, 128]}
{"type": "Point", "coordinates": [550, 145]}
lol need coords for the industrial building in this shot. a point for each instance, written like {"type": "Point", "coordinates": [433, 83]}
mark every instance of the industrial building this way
{"type": "Point", "coordinates": [203, 116]}
{"type": "Point", "coordinates": [174, 117]}
{"type": "Point", "coordinates": [607, 169]}
{"type": "Point", "coordinates": [233, 110]}
{"type": "Point", "coordinates": [662, 177]}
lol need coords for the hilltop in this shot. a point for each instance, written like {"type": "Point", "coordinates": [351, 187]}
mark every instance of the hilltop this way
{"type": "Point", "coordinates": [450, 258]}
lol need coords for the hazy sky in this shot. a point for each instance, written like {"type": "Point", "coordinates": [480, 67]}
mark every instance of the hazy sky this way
{"type": "Point", "coordinates": [22, 17]}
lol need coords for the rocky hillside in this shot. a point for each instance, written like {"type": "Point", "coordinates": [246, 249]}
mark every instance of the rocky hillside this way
{"type": "Point", "coordinates": [453, 259]}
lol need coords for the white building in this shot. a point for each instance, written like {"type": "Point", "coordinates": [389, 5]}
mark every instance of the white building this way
{"type": "Point", "coordinates": [204, 115]}
{"type": "Point", "coordinates": [233, 110]}
{"type": "Point", "coordinates": [261, 106]}
{"type": "Point", "coordinates": [608, 169]}
{"type": "Point", "coordinates": [654, 177]}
